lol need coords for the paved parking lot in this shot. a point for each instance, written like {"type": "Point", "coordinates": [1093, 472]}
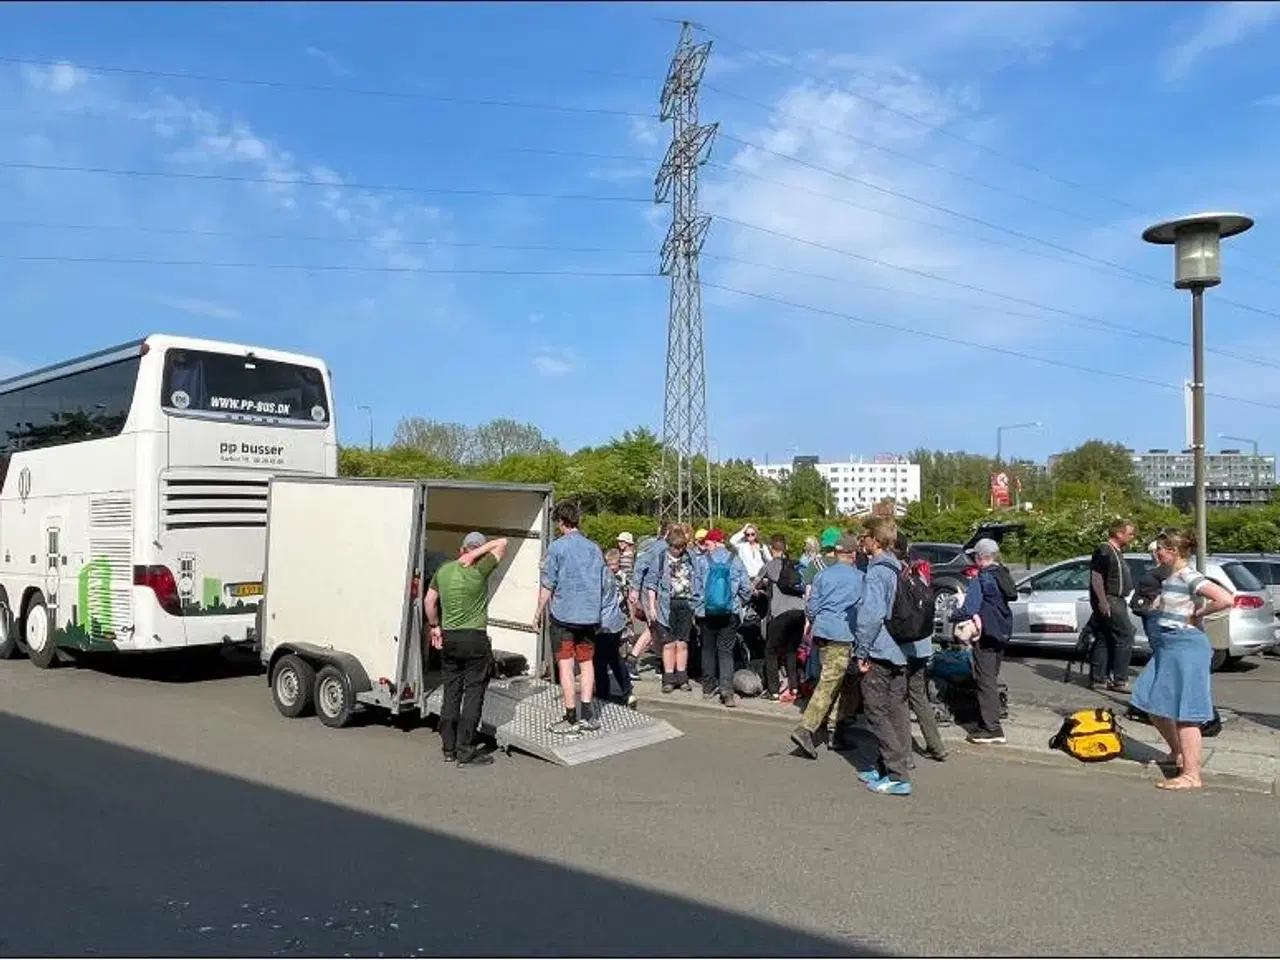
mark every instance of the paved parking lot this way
{"type": "Point", "coordinates": [178, 814]}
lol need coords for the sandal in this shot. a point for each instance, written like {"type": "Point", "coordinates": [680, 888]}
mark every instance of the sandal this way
{"type": "Point", "coordinates": [1180, 782]}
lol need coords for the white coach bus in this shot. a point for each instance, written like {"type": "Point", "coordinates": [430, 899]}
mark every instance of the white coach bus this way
{"type": "Point", "coordinates": [133, 492]}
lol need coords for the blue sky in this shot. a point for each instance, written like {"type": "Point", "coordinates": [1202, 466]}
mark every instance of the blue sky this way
{"type": "Point", "coordinates": [1019, 136]}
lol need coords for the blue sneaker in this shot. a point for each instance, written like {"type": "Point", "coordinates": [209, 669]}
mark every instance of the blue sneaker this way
{"type": "Point", "coordinates": [894, 788]}
{"type": "Point", "coordinates": [870, 777]}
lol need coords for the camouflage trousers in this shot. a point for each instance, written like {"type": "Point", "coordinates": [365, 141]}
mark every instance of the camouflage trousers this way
{"type": "Point", "coordinates": [835, 687]}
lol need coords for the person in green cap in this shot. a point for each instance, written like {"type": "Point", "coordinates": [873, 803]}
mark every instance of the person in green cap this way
{"type": "Point", "coordinates": [830, 537]}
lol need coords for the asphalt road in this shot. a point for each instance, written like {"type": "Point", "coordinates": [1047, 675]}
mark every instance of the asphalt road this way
{"type": "Point", "coordinates": [174, 816]}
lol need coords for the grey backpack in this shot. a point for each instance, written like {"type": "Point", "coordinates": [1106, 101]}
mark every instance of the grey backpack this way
{"type": "Point", "coordinates": [747, 683]}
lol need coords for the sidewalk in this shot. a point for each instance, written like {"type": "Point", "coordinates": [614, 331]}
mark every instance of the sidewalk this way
{"type": "Point", "coordinates": [1245, 755]}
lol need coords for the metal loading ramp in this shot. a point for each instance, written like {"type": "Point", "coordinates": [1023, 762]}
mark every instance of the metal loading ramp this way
{"type": "Point", "coordinates": [518, 711]}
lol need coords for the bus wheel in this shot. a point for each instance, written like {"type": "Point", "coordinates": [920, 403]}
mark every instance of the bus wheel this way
{"type": "Point", "coordinates": [293, 684]}
{"type": "Point", "coordinates": [9, 647]}
{"type": "Point", "coordinates": [37, 630]}
{"type": "Point", "coordinates": [335, 700]}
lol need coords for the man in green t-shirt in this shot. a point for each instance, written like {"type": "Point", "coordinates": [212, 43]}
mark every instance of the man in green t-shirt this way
{"type": "Point", "coordinates": [457, 610]}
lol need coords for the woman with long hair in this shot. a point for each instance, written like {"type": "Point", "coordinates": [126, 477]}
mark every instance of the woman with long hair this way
{"type": "Point", "coordinates": [1174, 688]}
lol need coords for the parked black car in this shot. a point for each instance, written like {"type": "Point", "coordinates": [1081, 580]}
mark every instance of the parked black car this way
{"type": "Point", "coordinates": [950, 577]}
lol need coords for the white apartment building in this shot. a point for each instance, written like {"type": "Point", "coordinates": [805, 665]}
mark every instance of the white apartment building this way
{"type": "Point", "coordinates": [858, 484]}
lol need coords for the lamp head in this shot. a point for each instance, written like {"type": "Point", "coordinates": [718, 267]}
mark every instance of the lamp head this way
{"type": "Point", "coordinates": [1197, 245]}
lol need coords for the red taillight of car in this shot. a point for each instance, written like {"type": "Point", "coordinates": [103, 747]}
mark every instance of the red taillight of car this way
{"type": "Point", "coordinates": [1245, 601]}
{"type": "Point", "coordinates": [159, 580]}
{"type": "Point", "coordinates": [970, 572]}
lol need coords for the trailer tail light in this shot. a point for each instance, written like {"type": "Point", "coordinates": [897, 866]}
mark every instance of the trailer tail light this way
{"type": "Point", "coordinates": [160, 581]}
{"type": "Point", "coordinates": [1245, 601]}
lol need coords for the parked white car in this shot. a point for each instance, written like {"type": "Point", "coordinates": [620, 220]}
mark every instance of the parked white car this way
{"type": "Point", "coordinates": [1053, 607]}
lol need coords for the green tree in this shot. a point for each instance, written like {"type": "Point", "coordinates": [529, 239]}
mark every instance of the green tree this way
{"type": "Point", "coordinates": [1104, 466]}
{"type": "Point", "coordinates": [805, 493]}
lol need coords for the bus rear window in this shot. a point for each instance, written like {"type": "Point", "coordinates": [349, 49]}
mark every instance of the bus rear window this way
{"type": "Point", "coordinates": [242, 386]}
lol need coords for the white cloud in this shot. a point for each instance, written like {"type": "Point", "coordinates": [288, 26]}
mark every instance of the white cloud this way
{"type": "Point", "coordinates": [647, 132]}
{"type": "Point", "coordinates": [60, 77]}
{"type": "Point", "coordinates": [1222, 25]}
{"type": "Point", "coordinates": [332, 63]}
{"type": "Point", "coordinates": [201, 308]}
{"type": "Point", "coordinates": [555, 361]}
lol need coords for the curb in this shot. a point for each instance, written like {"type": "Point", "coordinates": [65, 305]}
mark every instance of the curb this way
{"type": "Point", "coordinates": [1029, 729]}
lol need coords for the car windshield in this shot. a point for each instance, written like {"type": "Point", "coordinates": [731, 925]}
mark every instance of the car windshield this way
{"type": "Point", "coordinates": [1240, 577]}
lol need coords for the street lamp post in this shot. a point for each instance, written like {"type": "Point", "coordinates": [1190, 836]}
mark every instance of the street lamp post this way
{"type": "Point", "coordinates": [1010, 426]}
{"type": "Point", "coordinates": [1257, 473]}
{"type": "Point", "coordinates": [1197, 265]}
{"type": "Point", "coordinates": [369, 410]}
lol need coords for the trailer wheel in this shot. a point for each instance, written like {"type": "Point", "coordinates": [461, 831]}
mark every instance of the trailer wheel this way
{"type": "Point", "coordinates": [9, 648]}
{"type": "Point", "coordinates": [335, 700]}
{"type": "Point", "coordinates": [37, 630]}
{"type": "Point", "coordinates": [293, 685]}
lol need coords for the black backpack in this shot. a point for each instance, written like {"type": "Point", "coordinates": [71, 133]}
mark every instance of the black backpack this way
{"type": "Point", "coordinates": [912, 613]}
{"type": "Point", "coordinates": [789, 580]}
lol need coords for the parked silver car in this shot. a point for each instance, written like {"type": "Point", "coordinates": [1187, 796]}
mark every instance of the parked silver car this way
{"type": "Point", "coordinates": [1266, 567]}
{"type": "Point", "coordinates": [1053, 607]}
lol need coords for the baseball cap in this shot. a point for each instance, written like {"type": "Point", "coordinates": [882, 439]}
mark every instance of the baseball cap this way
{"type": "Point", "coordinates": [715, 536]}
{"type": "Point", "coordinates": [700, 534]}
{"type": "Point", "coordinates": [473, 540]}
{"type": "Point", "coordinates": [627, 538]}
{"type": "Point", "coordinates": [986, 547]}
{"type": "Point", "coordinates": [847, 544]}
{"type": "Point", "coordinates": [830, 537]}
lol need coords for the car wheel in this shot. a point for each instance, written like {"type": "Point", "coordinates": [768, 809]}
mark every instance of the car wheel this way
{"type": "Point", "coordinates": [1218, 660]}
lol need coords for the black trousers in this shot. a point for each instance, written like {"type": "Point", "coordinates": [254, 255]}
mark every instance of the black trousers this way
{"type": "Point", "coordinates": [988, 655]}
{"type": "Point", "coordinates": [719, 638]}
{"type": "Point", "coordinates": [1112, 643]}
{"type": "Point", "coordinates": [782, 641]}
{"type": "Point", "coordinates": [608, 662]}
{"type": "Point", "coordinates": [884, 696]}
{"type": "Point", "coordinates": [466, 660]}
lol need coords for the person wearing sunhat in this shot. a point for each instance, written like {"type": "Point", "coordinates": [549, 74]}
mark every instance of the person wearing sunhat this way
{"type": "Point", "coordinates": [457, 612]}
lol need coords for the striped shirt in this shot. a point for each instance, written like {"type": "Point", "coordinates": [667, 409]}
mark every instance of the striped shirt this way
{"type": "Point", "coordinates": [1180, 597]}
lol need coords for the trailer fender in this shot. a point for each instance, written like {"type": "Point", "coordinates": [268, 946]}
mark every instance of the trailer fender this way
{"type": "Point", "coordinates": [318, 656]}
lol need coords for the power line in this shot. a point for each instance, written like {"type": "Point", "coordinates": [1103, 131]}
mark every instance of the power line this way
{"type": "Point", "coordinates": [944, 131]}
{"type": "Point", "coordinates": [894, 215]}
{"type": "Point", "coordinates": [324, 267]}
{"type": "Point", "coordinates": [306, 182]}
{"type": "Point", "coordinates": [337, 89]}
{"type": "Point", "coordinates": [1005, 351]}
{"type": "Point", "coordinates": [1081, 317]}
{"type": "Point", "coordinates": [318, 238]}
{"type": "Point", "coordinates": [1144, 277]}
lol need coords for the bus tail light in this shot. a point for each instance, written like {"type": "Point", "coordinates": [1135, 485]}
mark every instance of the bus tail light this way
{"type": "Point", "coordinates": [161, 582]}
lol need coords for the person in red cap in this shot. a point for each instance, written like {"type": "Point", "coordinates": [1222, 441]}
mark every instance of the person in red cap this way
{"type": "Point", "coordinates": [725, 587]}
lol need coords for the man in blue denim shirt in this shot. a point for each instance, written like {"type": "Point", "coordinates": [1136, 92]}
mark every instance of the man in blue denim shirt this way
{"type": "Point", "coordinates": [646, 557]}
{"type": "Point", "coordinates": [830, 608]}
{"type": "Point", "coordinates": [882, 661]}
{"type": "Point", "coordinates": [573, 578]}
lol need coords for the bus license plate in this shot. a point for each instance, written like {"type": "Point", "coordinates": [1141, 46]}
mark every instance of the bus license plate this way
{"type": "Point", "coordinates": [241, 590]}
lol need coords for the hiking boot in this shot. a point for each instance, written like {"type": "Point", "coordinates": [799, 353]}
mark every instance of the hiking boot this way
{"type": "Point", "coordinates": [564, 728]}
{"type": "Point", "coordinates": [892, 788]}
{"type": "Point", "coordinates": [588, 723]}
{"type": "Point", "coordinates": [803, 739]}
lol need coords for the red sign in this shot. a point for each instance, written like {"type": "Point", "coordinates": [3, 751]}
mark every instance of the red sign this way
{"type": "Point", "coordinates": [999, 490]}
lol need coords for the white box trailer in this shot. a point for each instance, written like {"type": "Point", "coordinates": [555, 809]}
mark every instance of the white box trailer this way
{"type": "Point", "coordinates": [340, 628]}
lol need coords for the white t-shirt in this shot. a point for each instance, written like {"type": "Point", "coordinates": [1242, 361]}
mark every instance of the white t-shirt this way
{"type": "Point", "coordinates": [1181, 595]}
